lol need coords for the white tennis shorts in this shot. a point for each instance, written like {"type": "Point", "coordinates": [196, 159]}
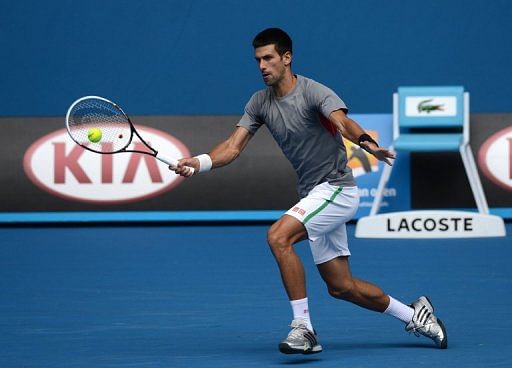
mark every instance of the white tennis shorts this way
{"type": "Point", "coordinates": [324, 212]}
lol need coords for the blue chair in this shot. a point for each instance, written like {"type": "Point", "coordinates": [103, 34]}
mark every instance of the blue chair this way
{"type": "Point", "coordinates": [433, 119]}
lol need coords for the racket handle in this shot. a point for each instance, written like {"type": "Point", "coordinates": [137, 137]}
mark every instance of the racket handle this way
{"type": "Point", "coordinates": [171, 161]}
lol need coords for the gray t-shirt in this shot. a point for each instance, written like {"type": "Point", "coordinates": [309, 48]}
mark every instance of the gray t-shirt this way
{"type": "Point", "coordinates": [298, 122]}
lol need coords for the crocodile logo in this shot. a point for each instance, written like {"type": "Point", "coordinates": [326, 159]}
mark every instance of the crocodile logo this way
{"type": "Point", "coordinates": [426, 106]}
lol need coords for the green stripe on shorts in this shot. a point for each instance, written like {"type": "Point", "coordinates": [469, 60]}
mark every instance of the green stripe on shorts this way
{"type": "Point", "coordinates": [326, 202]}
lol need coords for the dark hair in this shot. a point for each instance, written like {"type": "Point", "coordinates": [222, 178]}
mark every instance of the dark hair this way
{"type": "Point", "coordinates": [275, 36]}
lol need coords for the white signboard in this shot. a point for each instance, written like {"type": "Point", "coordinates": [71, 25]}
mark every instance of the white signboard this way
{"type": "Point", "coordinates": [430, 224]}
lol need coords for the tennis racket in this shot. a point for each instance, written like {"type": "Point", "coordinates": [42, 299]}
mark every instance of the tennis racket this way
{"type": "Point", "coordinates": [93, 114]}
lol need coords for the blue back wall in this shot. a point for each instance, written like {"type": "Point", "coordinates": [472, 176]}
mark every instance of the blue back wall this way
{"type": "Point", "coordinates": [195, 57]}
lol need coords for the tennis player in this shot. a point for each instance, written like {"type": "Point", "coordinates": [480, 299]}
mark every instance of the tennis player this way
{"type": "Point", "coordinates": [308, 121]}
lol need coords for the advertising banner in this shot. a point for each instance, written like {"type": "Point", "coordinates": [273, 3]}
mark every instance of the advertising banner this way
{"type": "Point", "coordinates": [45, 171]}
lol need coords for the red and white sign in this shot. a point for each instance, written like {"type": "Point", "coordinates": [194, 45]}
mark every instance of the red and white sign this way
{"type": "Point", "coordinates": [495, 158]}
{"type": "Point", "coordinates": [59, 166]}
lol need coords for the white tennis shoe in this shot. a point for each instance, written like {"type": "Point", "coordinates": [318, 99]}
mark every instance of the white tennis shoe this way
{"type": "Point", "coordinates": [300, 340]}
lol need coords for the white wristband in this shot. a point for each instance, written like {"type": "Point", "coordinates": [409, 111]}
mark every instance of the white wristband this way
{"type": "Point", "coordinates": [205, 162]}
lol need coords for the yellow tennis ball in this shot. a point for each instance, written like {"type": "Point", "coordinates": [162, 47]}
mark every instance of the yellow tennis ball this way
{"type": "Point", "coordinates": [94, 135]}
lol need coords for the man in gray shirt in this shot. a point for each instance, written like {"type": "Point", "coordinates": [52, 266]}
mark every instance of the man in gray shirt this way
{"type": "Point", "coordinates": [308, 121]}
{"type": "Point", "coordinates": [296, 121]}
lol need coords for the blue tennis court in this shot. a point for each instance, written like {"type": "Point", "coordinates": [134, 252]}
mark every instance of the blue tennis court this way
{"type": "Point", "coordinates": [211, 296]}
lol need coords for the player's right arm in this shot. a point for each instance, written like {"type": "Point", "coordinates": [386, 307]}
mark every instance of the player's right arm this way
{"type": "Point", "coordinates": [221, 155]}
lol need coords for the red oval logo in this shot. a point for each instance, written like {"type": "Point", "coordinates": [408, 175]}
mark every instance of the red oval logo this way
{"type": "Point", "coordinates": [59, 166]}
{"type": "Point", "coordinates": [495, 158]}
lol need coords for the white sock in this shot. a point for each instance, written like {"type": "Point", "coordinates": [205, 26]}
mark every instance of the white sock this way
{"type": "Point", "coordinates": [301, 310]}
{"type": "Point", "coordinates": [399, 310]}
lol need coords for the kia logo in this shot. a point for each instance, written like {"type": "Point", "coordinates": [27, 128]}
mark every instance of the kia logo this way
{"type": "Point", "coordinates": [59, 166]}
{"type": "Point", "coordinates": [495, 158]}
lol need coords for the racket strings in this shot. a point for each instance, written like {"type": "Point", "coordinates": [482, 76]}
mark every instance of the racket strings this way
{"type": "Point", "coordinates": [94, 113]}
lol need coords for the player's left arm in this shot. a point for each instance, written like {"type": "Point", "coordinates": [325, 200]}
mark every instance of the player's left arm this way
{"type": "Point", "coordinates": [353, 132]}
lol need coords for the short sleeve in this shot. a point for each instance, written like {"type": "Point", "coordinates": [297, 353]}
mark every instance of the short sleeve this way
{"type": "Point", "coordinates": [250, 120]}
{"type": "Point", "coordinates": [325, 99]}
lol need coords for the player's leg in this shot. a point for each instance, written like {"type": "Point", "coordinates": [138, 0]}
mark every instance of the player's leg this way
{"type": "Point", "coordinates": [329, 246]}
{"type": "Point", "coordinates": [419, 317]}
{"type": "Point", "coordinates": [341, 285]}
{"type": "Point", "coordinates": [292, 227]}
{"type": "Point", "coordinates": [281, 237]}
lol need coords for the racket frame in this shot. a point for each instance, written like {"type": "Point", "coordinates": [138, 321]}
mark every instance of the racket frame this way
{"type": "Point", "coordinates": [133, 131]}
{"type": "Point", "coordinates": [169, 161]}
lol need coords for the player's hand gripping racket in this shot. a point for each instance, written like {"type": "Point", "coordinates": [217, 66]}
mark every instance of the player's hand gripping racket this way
{"type": "Point", "coordinates": [101, 126]}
